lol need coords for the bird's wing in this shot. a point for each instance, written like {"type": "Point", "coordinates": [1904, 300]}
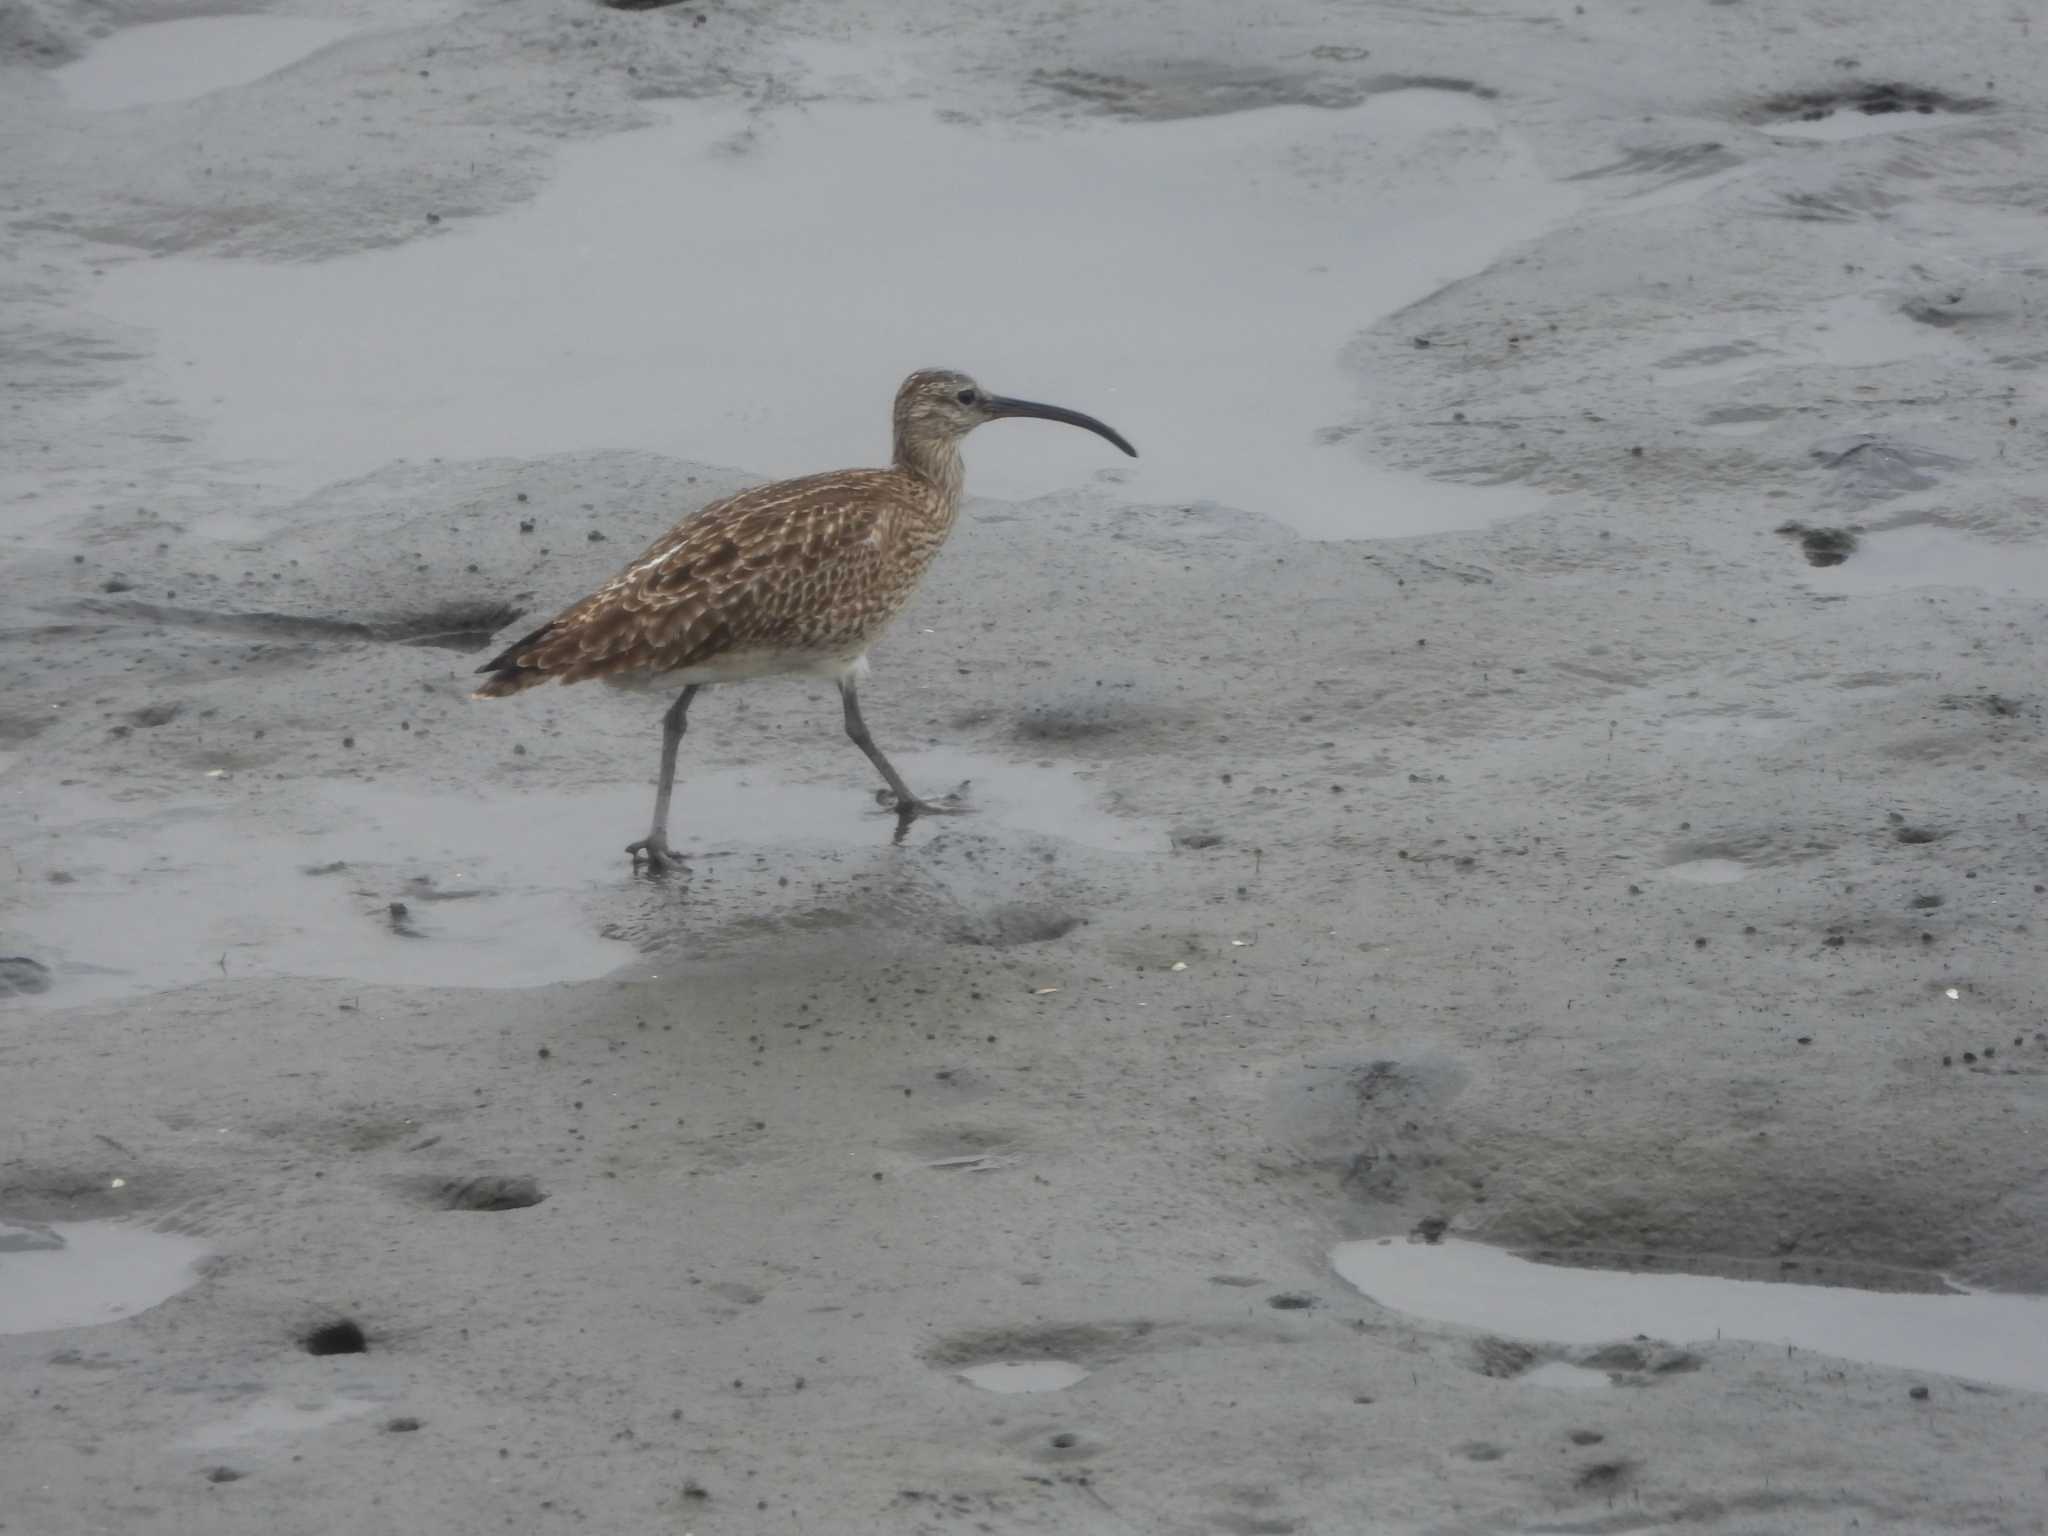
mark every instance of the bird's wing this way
{"type": "Point", "coordinates": [787, 566]}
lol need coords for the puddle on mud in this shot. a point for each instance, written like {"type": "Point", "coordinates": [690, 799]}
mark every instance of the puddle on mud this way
{"type": "Point", "coordinates": [1927, 556]}
{"type": "Point", "coordinates": [1979, 1336]}
{"type": "Point", "coordinates": [178, 60]}
{"type": "Point", "coordinates": [1707, 871]}
{"type": "Point", "coordinates": [1025, 1375]}
{"type": "Point", "coordinates": [74, 1274]}
{"type": "Point", "coordinates": [497, 889]}
{"type": "Point", "coordinates": [1287, 229]}
{"type": "Point", "coordinates": [275, 1418]}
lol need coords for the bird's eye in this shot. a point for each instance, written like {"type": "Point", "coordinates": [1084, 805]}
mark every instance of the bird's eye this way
{"type": "Point", "coordinates": [967, 397]}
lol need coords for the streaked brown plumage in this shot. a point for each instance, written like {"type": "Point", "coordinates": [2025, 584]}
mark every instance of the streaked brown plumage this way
{"type": "Point", "coordinates": [797, 577]}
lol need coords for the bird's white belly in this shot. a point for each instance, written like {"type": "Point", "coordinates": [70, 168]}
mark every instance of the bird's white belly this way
{"type": "Point", "coordinates": [742, 667]}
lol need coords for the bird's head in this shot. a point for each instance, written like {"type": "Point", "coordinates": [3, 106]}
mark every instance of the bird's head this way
{"type": "Point", "coordinates": [938, 406]}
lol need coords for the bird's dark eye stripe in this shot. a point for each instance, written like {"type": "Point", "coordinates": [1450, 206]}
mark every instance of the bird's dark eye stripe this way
{"type": "Point", "coordinates": [965, 397]}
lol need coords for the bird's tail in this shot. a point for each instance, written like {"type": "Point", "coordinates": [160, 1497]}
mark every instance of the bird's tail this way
{"type": "Point", "coordinates": [508, 674]}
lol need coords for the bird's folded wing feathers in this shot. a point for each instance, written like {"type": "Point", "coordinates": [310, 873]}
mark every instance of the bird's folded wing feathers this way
{"type": "Point", "coordinates": [781, 567]}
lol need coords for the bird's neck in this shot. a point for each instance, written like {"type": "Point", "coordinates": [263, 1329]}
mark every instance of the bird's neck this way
{"type": "Point", "coordinates": [935, 461]}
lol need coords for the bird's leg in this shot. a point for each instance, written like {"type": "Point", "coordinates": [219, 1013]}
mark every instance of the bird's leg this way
{"type": "Point", "coordinates": [655, 844]}
{"type": "Point", "coordinates": [907, 805]}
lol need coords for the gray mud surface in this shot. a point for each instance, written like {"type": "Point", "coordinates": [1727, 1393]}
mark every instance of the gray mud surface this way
{"type": "Point", "coordinates": [1597, 883]}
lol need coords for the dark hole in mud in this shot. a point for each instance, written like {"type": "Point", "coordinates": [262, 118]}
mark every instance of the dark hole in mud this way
{"type": "Point", "coordinates": [1823, 546]}
{"type": "Point", "coordinates": [1292, 1301]}
{"type": "Point", "coordinates": [1008, 927]}
{"type": "Point", "coordinates": [1872, 99]}
{"type": "Point", "coordinates": [491, 1192]}
{"type": "Point", "coordinates": [1918, 835]}
{"type": "Point", "coordinates": [1602, 1475]}
{"type": "Point", "coordinates": [341, 1337]}
{"type": "Point", "coordinates": [456, 627]}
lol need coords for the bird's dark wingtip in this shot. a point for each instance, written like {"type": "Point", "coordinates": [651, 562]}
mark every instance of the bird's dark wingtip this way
{"type": "Point", "coordinates": [507, 660]}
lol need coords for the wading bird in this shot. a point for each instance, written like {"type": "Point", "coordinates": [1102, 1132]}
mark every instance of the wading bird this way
{"type": "Point", "coordinates": [794, 578]}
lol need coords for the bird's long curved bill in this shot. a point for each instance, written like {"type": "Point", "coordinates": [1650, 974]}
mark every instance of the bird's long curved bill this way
{"type": "Point", "coordinates": [1000, 405]}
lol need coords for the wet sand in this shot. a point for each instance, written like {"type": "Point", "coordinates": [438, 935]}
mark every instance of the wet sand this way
{"type": "Point", "coordinates": [1444, 788]}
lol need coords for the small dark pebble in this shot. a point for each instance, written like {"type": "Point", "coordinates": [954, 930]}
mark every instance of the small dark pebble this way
{"type": "Point", "coordinates": [1806, 1039]}
{"type": "Point", "coordinates": [522, 495]}
{"type": "Point", "coordinates": [595, 536]}
{"type": "Point", "coordinates": [694, 1490]}
{"type": "Point", "coordinates": [223, 1475]}
{"type": "Point", "coordinates": [1969, 1057]}
{"type": "Point", "coordinates": [1422, 341]}
{"type": "Point", "coordinates": [1291, 1301]}
{"type": "Point", "coordinates": [1834, 941]}
{"type": "Point", "coordinates": [433, 218]}
{"type": "Point", "coordinates": [1587, 1437]}
{"type": "Point", "coordinates": [348, 741]}
{"type": "Point", "coordinates": [404, 1424]}
{"type": "Point", "coordinates": [526, 525]}
{"type": "Point", "coordinates": [1065, 1442]}
{"type": "Point", "coordinates": [1918, 1394]}
{"type": "Point", "coordinates": [545, 1053]}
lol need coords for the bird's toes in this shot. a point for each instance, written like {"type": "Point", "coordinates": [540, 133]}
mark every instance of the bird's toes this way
{"type": "Point", "coordinates": [951, 805]}
{"type": "Point", "coordinates": [657, 855]}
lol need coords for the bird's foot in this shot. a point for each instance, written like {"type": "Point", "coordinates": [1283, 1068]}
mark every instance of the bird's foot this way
{"type": "Point", "coordinates": [909, 810]}
{"type": "Point", "coordinates": [660, 858]}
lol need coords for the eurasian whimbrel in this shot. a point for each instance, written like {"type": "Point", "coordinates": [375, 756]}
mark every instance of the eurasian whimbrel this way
{"type": "Point", "coordinates": [797, 577]}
